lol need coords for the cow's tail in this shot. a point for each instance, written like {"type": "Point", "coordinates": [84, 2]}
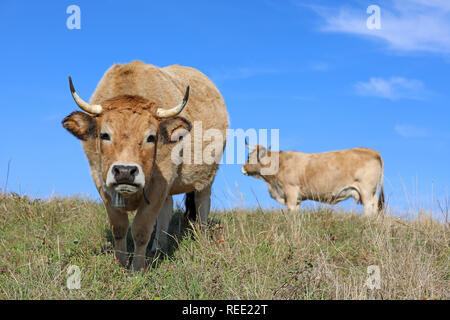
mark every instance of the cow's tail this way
{"type": "Point", "coordinates": [191, 212]}
{"type": "Point", "coordinates": [381, 200]}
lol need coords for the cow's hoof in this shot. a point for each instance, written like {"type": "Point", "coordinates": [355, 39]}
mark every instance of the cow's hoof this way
{"type": "Point", "coordinates": [121, 262]}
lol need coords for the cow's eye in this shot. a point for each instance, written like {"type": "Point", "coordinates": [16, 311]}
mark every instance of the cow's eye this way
{"type": "Point", "coordinates": [151, 138]}
{"type": "Point", "coordinates": [105, 136]}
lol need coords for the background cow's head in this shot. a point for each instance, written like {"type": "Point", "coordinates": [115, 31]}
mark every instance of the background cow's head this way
{"type": "Point", "coordinates": [125, 131]}
{"type": "Point", "coordinates": [255, 161]}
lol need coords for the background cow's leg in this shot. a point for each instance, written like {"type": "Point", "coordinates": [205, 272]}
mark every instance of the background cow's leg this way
{"type": "Point", "coordinates": [162, 225]}
{"type": "Point", "coordinates": [292, 200]}
{"type": "Point", "coordinates": [142, 228]}
{"type": "Point", "coordinates": [299, 204]}
{"type": "Point", "coordinates": [370, 202]}
{"type": "Point", "coordinates": [119, 227]}
{"type": "Point", "coordinates": [203, 204]}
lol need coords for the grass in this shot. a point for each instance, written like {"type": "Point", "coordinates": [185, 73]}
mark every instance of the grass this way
{"type": "Point", "coordinates": [315, 254]}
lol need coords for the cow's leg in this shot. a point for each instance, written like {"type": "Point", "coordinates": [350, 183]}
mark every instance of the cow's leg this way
{"type": "Point", "coordinates": [292, 202]}
{"type": "Point", "coordinates": [142, 228]}
{"type": "Point", "coordinates": [119, 227]}
{"type": "Point", "coordinates": [162, 225]}
{"type": "Point", "coordinates": [203, 204]}
{"type": "Point", "coordinates": [370, 203]}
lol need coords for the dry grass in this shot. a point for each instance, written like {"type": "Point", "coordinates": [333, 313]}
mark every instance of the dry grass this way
{"type": "Point", "coordinates": [317, 254]}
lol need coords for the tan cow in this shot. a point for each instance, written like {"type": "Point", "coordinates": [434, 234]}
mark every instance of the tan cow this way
{"type": "Point", "coordinates": [135, 118]}
{"type": "Point", "coordinates": [328, 177]}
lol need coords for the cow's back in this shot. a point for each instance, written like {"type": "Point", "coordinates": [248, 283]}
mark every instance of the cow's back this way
{"type": "Point", "coordinates": [166, 87]}
{"type": "Point", "coordinates": [209, 105]}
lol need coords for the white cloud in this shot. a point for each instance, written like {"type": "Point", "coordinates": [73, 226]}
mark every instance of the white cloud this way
{"type": "Point", "coordinates": [410, 131]}
{"type": "Point", "coordinates": [393, 88]}
{"type": "Point", "coordinates": [319, 66]}
{"type": "Point", "coordinates": [443, 5]}
{"type": "Point", "coordinates": [414, 25]}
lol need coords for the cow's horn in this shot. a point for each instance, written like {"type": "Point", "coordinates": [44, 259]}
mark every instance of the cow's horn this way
{"type": "Point", "coordinates": [90, 108]}
{"type": "Point", "coordinates": [249, 146]}
{"type": "Point", "coordinates": [166, 113]}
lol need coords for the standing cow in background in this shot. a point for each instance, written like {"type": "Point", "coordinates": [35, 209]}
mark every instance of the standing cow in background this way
{"type": "Point", "coordinates": [135, 118]}
{"type": "Point", "coordinates": [329, 177]}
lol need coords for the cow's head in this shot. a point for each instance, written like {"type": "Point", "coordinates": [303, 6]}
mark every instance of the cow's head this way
{"type": "Point", "coordinates": [125, 131]}
{"type": "Point", "coordinates": [255, 162]}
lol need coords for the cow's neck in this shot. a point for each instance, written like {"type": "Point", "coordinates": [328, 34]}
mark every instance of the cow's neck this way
{"type": "Point", "coordinates": [271, 179]}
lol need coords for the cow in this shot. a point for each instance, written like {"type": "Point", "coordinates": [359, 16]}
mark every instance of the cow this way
{"type": "Point", "coordinates": [137, 116]}
{"type": "Point", "coordinates": [328, 177]}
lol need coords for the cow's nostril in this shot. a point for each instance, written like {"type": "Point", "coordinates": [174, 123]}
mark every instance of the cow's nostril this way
{"type": "Point", "coordinates": [115, 171]}
{"type": "Point", "coordinates": [125, 174]}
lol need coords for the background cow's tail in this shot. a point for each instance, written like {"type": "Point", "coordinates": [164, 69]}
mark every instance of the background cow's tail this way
{"type": "Point", "coordinates": [191, 212]}
{"type": "Point", "coordinates": [381, 200]}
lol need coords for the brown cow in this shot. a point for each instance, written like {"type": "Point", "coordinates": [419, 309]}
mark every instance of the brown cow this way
{"type": "Point", "coordinates": [328, 177]}
{"type": "Point", "coordinates": [134, 120]}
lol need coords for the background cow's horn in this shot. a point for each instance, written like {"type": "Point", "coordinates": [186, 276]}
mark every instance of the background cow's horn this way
{"type": "Point", "coordinates": [93, 109]}
{"type": "Point", "coordinates": [165, 113]}
{"type": "Point", "coordinates": [249, 146]}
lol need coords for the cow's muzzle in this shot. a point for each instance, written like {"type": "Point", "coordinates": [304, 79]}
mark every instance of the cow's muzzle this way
{"type": "Point", "coordinates": [125, 178]}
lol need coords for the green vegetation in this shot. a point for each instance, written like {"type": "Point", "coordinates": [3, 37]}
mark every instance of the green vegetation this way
{"type": "Point", "coordinates": [315, 254]}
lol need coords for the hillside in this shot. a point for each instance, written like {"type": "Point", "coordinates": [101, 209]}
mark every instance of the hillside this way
{"type": "Point", "coordinates": [315, 254]}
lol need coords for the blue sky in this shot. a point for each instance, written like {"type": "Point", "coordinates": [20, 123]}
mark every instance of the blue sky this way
{"type": "Point", "coordinates": [310, 68]}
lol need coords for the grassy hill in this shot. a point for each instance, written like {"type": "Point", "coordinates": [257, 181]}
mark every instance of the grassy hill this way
{"type": "Point", "coordinates": [315, 254]}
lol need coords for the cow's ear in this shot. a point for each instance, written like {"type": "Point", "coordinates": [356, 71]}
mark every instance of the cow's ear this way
{"type": "Point", "coordinates": [261, 152]}
{"type": "Point", "coordinates": [81, 125]}
{"type": "Point", "coordinates": [174, 129]}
